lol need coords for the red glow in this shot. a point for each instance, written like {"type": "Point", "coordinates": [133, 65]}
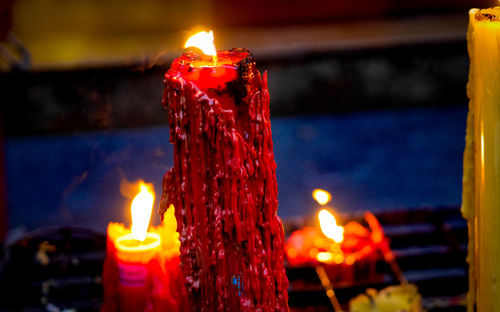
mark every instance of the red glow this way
{"type": "Point", "coordinates": [304, 245]}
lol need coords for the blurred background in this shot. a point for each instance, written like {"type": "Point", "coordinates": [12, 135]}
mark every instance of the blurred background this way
{"type": "Point", "coordinates": [368, 101]}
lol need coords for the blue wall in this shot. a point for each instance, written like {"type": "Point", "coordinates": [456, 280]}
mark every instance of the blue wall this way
{"type": "Point", "coordinates": [386, 159]}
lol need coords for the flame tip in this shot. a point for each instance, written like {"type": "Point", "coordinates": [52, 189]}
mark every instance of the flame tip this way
{"type": "Point", "coordinates": [321, 196]}
{"type": "Point", "coordinates": [204, 41]}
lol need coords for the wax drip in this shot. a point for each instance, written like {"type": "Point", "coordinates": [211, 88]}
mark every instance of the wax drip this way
{"type": "Point", "coordinates": [223, 187]}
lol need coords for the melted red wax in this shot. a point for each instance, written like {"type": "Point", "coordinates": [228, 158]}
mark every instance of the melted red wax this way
{"type": "Point", "coordinates": [223, 184]}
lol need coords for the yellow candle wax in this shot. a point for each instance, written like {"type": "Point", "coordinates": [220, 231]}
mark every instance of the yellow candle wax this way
{"type": "Point", "coordinates": [131, 250]}
{"type": "Point", "coordinates": [481, 179]}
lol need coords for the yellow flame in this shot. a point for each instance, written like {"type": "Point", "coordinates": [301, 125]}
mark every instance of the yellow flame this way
{"type": "Point", "coordinates": [329, 226]}
{"type": "Point", "coordinates": [141, 208]}
{"type": "Point", "coordinates": [203, 41]}
{"type": "Point", "coordinates": [330, 257]}
{"type": "Point", "coordinates": [324, 256]}
{"type": "Point", "coordinates": [322, 196]}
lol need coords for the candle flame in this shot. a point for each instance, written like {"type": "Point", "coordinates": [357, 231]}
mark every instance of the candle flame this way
{"type": "Point", "coordinates": [322, 196]}
{"type": "Point", "coordinates": [324, 256]}
{"type": "Point", "coordinates": [141, 208]}
{"type": "Point", "coordinates": [330, 257]}
{"type": "Point", "coordinates": [203, 41]}
{"type": "Point", "coordinates": [329, 226]}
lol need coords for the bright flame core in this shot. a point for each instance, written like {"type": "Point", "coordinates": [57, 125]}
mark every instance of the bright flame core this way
{"type": "Point", "coordinates": [203, 41]}
{"type": "Point", "coordinates": [141, 208]}
{"type": "Point", "coordinates": [322, 196]}
{"type": "Point", "coordinates": [329, 226]}
{"type": "Point", "coordinates": [324, 256]}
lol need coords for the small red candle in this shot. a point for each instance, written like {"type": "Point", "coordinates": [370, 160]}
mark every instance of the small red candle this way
{"type": "Point", "coordinates": [141, 270]}
{"type": "Point", "coordinates": [223, 182]}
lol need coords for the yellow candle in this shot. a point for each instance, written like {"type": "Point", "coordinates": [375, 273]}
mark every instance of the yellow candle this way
{"type": "Point", "coordinates": [481, 180]}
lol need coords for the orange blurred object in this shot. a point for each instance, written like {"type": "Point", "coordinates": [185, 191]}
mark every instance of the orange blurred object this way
{"type": "Point", "coordinates": [358, 242]}
{"type": "Point", "coordinates": [358, 253]}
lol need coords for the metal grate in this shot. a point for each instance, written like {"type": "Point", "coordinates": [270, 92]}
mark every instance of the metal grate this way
{"type": "Point", "coordinates": [60, 269]}
{"type": "Point", "coordinates": [54, 269]}
{"type": "Point", "coordinates": [430, 245]}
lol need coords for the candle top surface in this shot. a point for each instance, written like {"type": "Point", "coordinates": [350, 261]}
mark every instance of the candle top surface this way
{"type": "Point", "coordinates": [207, 72]}
{"type": "Point", "coordinates": [128, 243]}
{"type": "Point", "coordinates": [227, 79]}
{"type": "Point", "coordinates": [227, 58]}
{"type": "Point", "coordinates": [489, 16]}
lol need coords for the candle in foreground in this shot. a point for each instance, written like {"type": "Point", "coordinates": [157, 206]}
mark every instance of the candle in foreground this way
{"type": "Point", "coordinates": [481, 179]}
{"type": "Point", "coordinates": [141, 270]}
{"type": "Point", "coordinates": [223, 183]}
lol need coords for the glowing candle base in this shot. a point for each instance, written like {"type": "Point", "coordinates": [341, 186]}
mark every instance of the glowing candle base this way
{"type": "Point", "coordinates": [133, 259]}
{"type": "Point", "coordinates": [132, 250]}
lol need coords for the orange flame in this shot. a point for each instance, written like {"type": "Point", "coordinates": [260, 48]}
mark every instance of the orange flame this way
{"type": "Point", "coordinates": [329, 226]}
{"type": "Point", "coordinates": [322, 196]}
{"type": "Point", "coordinates": [141, 208]}
{"type": "Point", "coordinates": [203, 41]}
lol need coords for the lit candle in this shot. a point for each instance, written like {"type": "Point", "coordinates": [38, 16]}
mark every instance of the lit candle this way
{"type": "Point", "coordinates": [313, 244]}
{"type": "Point", "coordinates": [348, 252]}
{"type": "Point", "coordinates": [223, 182]}
{"type": "Point", "coordinates": [142, 270]}
{"type": "Point", "coordinates": [481, 179]}
{"type": "Point", "coordinates": [134, 251]}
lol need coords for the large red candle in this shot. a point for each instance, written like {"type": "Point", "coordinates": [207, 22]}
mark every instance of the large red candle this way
{"type": "Point", "coordinates": [223, 183]}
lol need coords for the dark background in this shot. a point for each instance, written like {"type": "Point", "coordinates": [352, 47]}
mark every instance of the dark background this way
{"type": "Point", "coordinates": [367, 100]}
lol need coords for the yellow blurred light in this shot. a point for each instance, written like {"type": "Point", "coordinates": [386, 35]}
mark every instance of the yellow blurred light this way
{"type": "Point", "coordinates": [321, 196]}
{"type": "Point", "coordinates": [329, 226]}
{"type": "Point", "coordinates": [338, 258]}
{"type": "Point", "coordinates": [324, 256]}
{"type": "Point", "coordinates": [141, 208]}
{"type": "Point", "coordinates": [203, 41]}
